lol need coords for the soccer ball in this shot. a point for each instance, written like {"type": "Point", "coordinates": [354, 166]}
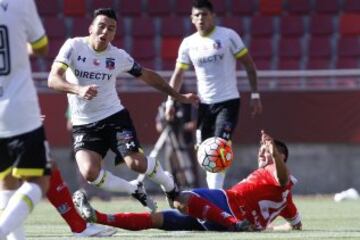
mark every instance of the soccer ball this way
{"type": "Point", "coordinates": [215, 154]}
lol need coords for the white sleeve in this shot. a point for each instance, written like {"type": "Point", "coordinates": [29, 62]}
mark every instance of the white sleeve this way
{"type": "Point", "coordinates": [236, 43]}
{"type": "Point", "coordinates": [126, 62]}
{"type": "Point", "coordinates": [183, 53]}
{"type": "Point", "coordinates": [35, 29]}
{"type": "Point", "coordinates": [65, 53]}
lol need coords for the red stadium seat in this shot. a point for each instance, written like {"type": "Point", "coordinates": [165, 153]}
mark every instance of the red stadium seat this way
{"type": "Point", "coordinates": [168, 65]}
{"type": "Point", "coordinates": [330, 7]}
{"type": "Point", "coordinates": [183, 7]}
{"type": "Point", "coordinates": [234, 22]}
{"type": "Point", "coordinates": [292, 26]}
{"type": "Point", "coordinates": [273, 7]}
{"type": "Point", "coordinates": [262, 26]}
{"type": "Point", "coordinates": [348, 47]}
{"type": "Point", "coordinates": [46, 9]}
{"type": "Point", "coordinates": [302, 7]}
{"type": "Point", "coordinates": [263, 64]}
{"type": "Point", "coordinates": [321, 25]}
{"type": "Point", "coordinates": [347, 62]}
{"type": "Point", "coordinates": [142, 27]}
{"type": "Point", "coordinates": [80, 26]}
{"type": "Point", "coordinates": [169, 48]}
{"type": "Point", "coordinates": [261, 48]}
{"type": "Point", "coordinates": [219, 7]}
{"type": "Point", "coordinates": [74, 8]}
{"type": "Point", "coordinates": [119, 43]}
{"type": "Point", "coordinates": [352, 6]}
{"type": "Point", "coordinates": [243, 7]}
{"type": "Point", "coordinates": [347, 25]}
{"type": "Point", "coordinates": [95, 4]}
{"type": "Point", "coordinates": [318, 63]}
{"type": "Point", "coordinates": [168, 29]}
{"type": "Point", "coordinates": [319, 47]}
{"type": "Point", "coordinates": [130, 7]}
{"type": "Point", "coordinates": [55, 27]}
{"type": "Point", "coordinates": [290, 48]}
{"type": "Point", "coordinates": [158, 7]}
{"type": "Point", "coordinates": [143, 49]}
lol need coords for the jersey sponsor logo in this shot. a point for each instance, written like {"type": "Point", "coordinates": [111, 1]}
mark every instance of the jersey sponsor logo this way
{"type": "Point", "coordinates": [92, 75]}
{"type": "Point", "coordinates": [83, 59]}
{"type": "Point", "coordinates": [210, 59]}
{"type": "Point", "coordinates": [63, 208]}
{"type": "Point", "coordinates": [110, 63]}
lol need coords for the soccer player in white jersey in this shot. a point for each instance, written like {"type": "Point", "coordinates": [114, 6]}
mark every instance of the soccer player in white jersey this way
{"type": "Point", "coordinates": [213, 51]}
{"type": "Point", "coordinates": [86, 69]}
{"type": "Point", "coordinates": [24, 165]}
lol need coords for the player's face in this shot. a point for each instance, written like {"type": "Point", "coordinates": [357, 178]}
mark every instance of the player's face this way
{"type": "Point", "coordinates": [203, 20]}
{"type": "Point", "coordinates": [102, 32]}
{"type": "Point", "coordinates": [264, 156]}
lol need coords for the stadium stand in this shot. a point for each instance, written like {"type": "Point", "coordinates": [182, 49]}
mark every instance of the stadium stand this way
{"type": "Point", "coordinates": [158, 7]}
{"type": "Point", "coordinates": [142, 27]}
{"type": "Point", "coordinates": [324, 28]}
{"type": "Point", "coordinates": [130, 7]}
{"type": "Point", "coordinates": [169, 50]}
{"type": "Point", "coordinates": [321, 25]}
{"type": "Point", "coordinates": [74, 8]}
{"type": "Point", "coordinates": [301, 7]}
{"type": "Point", "coordinates": [243, 7]}
{"type": "Point", "coordinates": [330, 7]}
{"type": "Point", "coordinates": [168, 29]}
{"type": "Point", "coordinates": [273, 7]}
{"type": "Point", "coordinates": [292, 26]}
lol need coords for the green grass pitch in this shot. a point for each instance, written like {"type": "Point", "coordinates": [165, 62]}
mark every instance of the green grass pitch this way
{"type": "Point", "coordinates": [322, 219]}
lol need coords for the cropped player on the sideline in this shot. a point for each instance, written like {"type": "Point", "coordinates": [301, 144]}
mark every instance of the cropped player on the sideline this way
{"type": "Point", "coordinates": [86, 69]}
{"type": "Point", "coordinates": [23, 147]}
{"type": "Point", "coordinates": [214, 51]}
{"type": "Point", "coordinates": [250, 205]}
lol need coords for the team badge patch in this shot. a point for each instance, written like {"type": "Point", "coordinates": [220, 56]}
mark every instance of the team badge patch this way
{"type": "Point", "coordinates": [217, 44]}
{"type": "Point", "coordinates": [110, 63]}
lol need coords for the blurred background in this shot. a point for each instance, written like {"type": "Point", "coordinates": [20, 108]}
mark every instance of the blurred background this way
{"type": "Point", "coordinates": [307, 53]}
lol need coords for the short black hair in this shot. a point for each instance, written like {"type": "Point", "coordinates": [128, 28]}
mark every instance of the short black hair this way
{"type": "Point", "coordinates": [109, 12]}
{"type": "Point", "coordinates": [281, 146]}
{"type": "Point", "coordinates": [203, 4]}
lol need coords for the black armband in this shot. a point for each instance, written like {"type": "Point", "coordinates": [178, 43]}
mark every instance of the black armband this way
{"type": "Point", "coordinates": [136, 70]}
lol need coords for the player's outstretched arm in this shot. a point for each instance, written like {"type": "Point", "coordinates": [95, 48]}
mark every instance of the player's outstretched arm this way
{"type": "Point", "coordinates": [281, 174]}
{"type": "Point", "coordinates": [155, 80]}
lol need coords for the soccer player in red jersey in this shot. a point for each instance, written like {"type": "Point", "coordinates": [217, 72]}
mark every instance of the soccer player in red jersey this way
{"type": "Point", "coordinates": [250, 205]}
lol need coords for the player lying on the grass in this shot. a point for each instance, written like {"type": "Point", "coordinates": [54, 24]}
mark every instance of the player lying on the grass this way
{"type": "Point", "coordinates": [250, 205]}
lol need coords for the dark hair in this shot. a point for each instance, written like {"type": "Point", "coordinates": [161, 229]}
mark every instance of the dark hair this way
{"type": "Point", "coordinates": [203, 4]}
{"type": "Point", "coordinates": [109, 12]}
{"type": "Point", "coordinates": [281, 146]}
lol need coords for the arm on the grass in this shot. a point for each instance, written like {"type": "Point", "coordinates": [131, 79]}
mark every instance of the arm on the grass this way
{"type": "Point", "coordinates": [285, 227]}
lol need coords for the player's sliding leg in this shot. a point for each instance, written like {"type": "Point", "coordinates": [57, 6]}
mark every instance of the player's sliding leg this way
{"type": "Point", "coordinates": [167, 220]}
{"type": "Point", "coordinates": [60, 197]}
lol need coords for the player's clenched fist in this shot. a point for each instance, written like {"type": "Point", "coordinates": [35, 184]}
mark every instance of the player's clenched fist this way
{"type": "Point", "coordinates": [88, 92]}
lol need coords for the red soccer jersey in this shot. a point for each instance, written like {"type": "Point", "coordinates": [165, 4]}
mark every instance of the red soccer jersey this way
{"type": "Point", "coordinates": [260, 199]}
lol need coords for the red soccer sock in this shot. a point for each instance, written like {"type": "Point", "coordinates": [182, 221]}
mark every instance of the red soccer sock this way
{"type": "Point", "coordinates": [206, 210]}
{"type": "Point", "coordinates": [60, 197]}
{"type": "Point", "coordinates": [128, 221]}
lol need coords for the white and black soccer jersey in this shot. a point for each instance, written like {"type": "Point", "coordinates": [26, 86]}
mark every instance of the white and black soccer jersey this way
{"type": "Point", "coordinates": [214, 59]}
{"type": "Point", "coordinates": [85, 66]}
{"type": "Point", "coordinates": [19, 107]}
